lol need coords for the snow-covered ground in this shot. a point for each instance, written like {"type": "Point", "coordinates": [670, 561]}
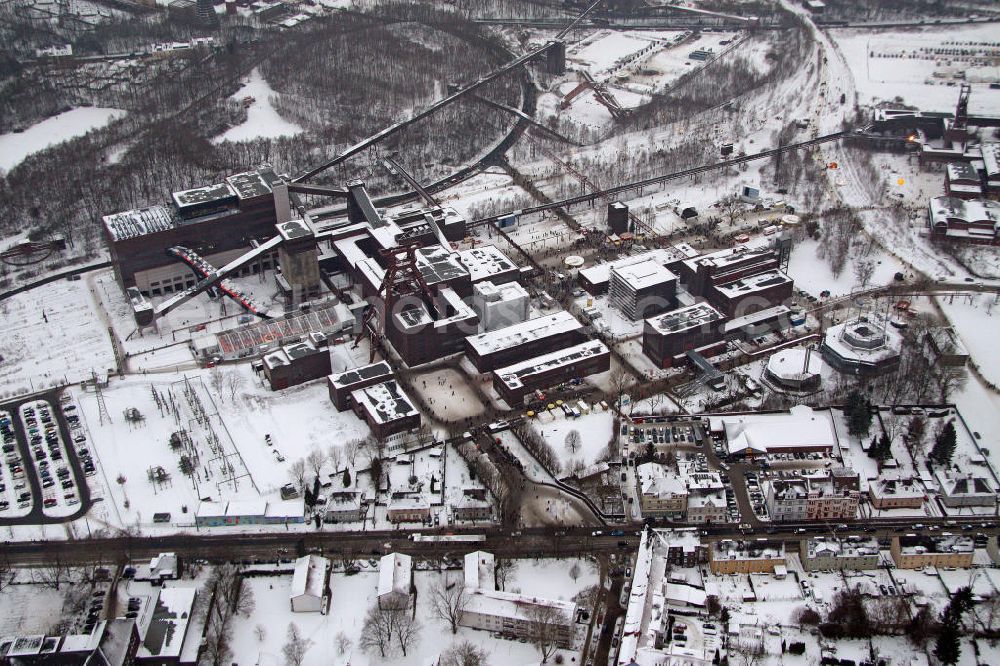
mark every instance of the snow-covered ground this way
{"type": "Point", "coordinates": [16, 146]}
{"type": "Point", "coordinates": [351, 596]}
{"type": "Point", "coordinates": [812, 274]}
{"type": "Point", "coordinates": [890, 64]}
{"type": "Point", "coordinates": [263, 121]}
{"type": "Point", "coordinates": [973, 319]}
{"type": "Point", "coordinates": [51, 335]}
{"type": "Point", "coordinates": [595, 433]}
{"type": "Point", "coordinates": [299, 420]}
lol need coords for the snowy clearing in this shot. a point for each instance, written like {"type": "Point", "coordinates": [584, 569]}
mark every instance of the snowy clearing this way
{"type": "Point", "coordinates": [263, 121]}
{"type": "Point", "coordinates": [16, 146]}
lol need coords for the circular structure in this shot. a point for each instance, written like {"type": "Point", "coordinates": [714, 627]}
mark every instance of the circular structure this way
{"type": "Point", "coordinates": [791, 220]}
{"type": "Point", "coordinates": [863, 346]}
{"type": "Point", "coordinates": [795, 369]}
{"type": "Point", "coordinates": [573, 261]}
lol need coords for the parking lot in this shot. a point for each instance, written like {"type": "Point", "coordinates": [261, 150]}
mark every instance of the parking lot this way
{"type": "Point", "coordinates": [43, 477]}
{"type": "Point", "coordinates": [50, 458]}
{"type": "Point", "coordinates": [15, 494]}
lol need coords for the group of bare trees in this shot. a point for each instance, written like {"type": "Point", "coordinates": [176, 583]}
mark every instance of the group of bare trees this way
{"type": "Point", "coordinates": [389, 625]}
{"type": "Point", "coordinates": [535, 443]}
{"type": "Point", "coordinates": [503, 483]}
{"type": "Point", "coordinates": [230, 596]}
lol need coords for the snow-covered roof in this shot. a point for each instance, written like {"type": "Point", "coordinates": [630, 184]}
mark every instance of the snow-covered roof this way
{"type": "Point", "coordinates": [977, 211]}
{"type": "Point", "coordinates": [439, 264]}
{"type": "Point", "coordinates": [211, 510]}
{"type": "Point", "coordinates": [683, 595]}
{"type": "Point", "coordinates": [765, 315]}
{"type": "Point", "coordinates": [246, 508]}
{"type": "Point", "coordinates": [492, 293]}
{"type": "Point", "coordinates": [732, 549]}
{"type": "Point", "coordinates": [753, 283]}
{"type": "Point", "coordinates": [516, 606]}
{"type": "Point", "coordinates": [385, 402]}
{"type": "Point", "coordinates": [852, 547]}
{"type": "Point", "coordinates": [654, 480]}
{"type": "Point", "coordinates": [800, 427]}
{"type": "Point", "coordinates": [632, 628]}
{"type": "Point", "coordinates": [523, 332]}
{"type": "Point", "coordinates": [485, 261]}
{"type": "Point", "coordinates": [643, 274]}
{"type": "Point", "coordinates": [138, 222]}
{"type": "Point", "coordinates": [686, 318]}
{"type": "Point", "coordinates": [863, 340]}
{"type": "Point", "coordinates": [514, 375]}
{"type": "Point", "coordinates": [395, 572]}
{"type": "Point", "coordinates": [991, 159]}
{"type": "Point", "coordinates": [479, 571]}
{"type": "Point", "coordinates": [602, 272]}
{"type": "Point", "coordinates": [359, 375]}
{"type": "Point", "coordinates": [310, 576]}
{"type": "Point", "coordinates": [962, 171]}
{"type": "Point", "coordinates": [795, 364]}
{"type": "Point", "coordinates": [164, 636]}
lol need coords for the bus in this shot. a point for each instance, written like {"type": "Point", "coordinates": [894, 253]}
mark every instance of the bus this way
{"type": "Point", "coordinates": [458, 538]}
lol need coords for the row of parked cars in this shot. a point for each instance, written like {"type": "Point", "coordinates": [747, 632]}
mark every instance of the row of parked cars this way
{"type": "Point", "coordinates": [756, 496]}
{"type": "Point", "coordinates": [48, 455]}
{"type": "Point", "coordinates": [79, 436]}
{"type": "Point", "coordinates": [13, 486]}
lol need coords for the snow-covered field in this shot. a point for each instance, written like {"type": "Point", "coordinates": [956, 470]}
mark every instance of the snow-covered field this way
{"type": "Point", "coordinates": [351, 596]}
{"type": "Point", "coordinates": [595, 433]}
{"type": "Point", "coordinates": [908, 71]}
{"type": "Point", "coordinates": [973, 318]}
{"type": "Point", "coordinates": [813, 275]}
{"type": "Point", "coordinates": [14, 147]}
{"type": "Point", "coordinates": [51, 335]}
{"type": "Point", "coordinates": [263, 121]}
{"type": "Point", "coordinates": [299, 420]}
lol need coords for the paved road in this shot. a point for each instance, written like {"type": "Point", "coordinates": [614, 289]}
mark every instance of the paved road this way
{"type": "Point", "coordinates": [212, 545]}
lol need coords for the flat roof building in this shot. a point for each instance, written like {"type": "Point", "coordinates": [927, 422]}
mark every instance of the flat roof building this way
{"type": "Point", "coordinates": [866, 346]}
{"type": "Point", "coordinates": [342, 384]}
{"type": "Point", "coordinates": [500, 305]}
{"type": "Point", "coordinates": [488, 262]}
{"type": "Point", "coordinates": [503, 346]}
{"type": "Point", "coordinates": [642, 289]}
{"type": "Point", "coordinates": [666, 338]}
{"type": "Point", "coordinates": [386, 409]}
{"type": "Point", "coordinates": [295, 364]}
{"type": "Point", "coordinates": [917, 552]}
{"type": "Point", "coordinates": [515, 382]}
{"type": "Point", "coordinates": [750, 294]}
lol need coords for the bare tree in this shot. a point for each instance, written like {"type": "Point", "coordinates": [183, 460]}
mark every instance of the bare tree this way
{"type": "Point", "coordinates": [376, 634]}
{"type": "Point", "coordinates": [343, 643]}
{"type": "Point", "coordinates": [295, 647]}
{"type": "Point", "coordinates": [216, 380]}
{"type": "Point", "coordinates": [217, 650]}
{"type": "Point", "coordinates": [351, 449]}
{"type": "Point", "coordinates": [315, 460]}
{"type": "Point", "coordinates": [545, 626]}
{"type": "Point", "coordinates": [448, 602]}
{"type": "Point", "coordinates": [750, 649]}
{"type": "Point", "coordinates": [336, 455]}
{"type": "Point", "coordinates": [406, 630]}
{"type": "Point", "coordinates": [574, 571]}
{"type": "Point", "coordinates": [234, 382]}
{"type": "Point", "coordinates": [573, 441]}
{"type": "Point", "coordinates": [620, 382]}
{"type": "Point", "coordinates": [589, 597]}
{"type": "Point", "coordinates": [297, 471]}
{"type": "Point", "coordinates": [53, 574]}
{"type": "Point", "coordinates": [464, 653]}
{"type": "Point", "coordinates": [260, 631]}
{"type": "Point", "coordinates": [505, 568]}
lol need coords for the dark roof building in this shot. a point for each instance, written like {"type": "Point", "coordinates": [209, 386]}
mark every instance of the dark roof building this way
{"type": "Point", "coordinates": [342, 384]}
{"type": "Point", "coordinates": [514, 382]}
